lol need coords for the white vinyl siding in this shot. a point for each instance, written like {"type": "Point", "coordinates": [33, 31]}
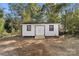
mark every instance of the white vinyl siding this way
{"type": "Point", "coordinates": [28, 33]}
{"type": "Point", "coordinates": [54, 32]}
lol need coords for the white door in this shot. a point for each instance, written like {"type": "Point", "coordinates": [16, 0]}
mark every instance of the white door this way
{"type": "Point", "coordinates": [39, 30]}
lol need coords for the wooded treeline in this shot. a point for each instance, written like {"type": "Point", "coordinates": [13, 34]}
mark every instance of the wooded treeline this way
{"type": "Point", "coordinates": [63, 13]}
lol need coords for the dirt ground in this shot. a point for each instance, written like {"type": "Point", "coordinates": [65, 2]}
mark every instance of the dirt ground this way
{"type": "Point", "coordinates": [51, 46]}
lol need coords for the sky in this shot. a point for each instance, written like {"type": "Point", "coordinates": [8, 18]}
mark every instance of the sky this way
{"type": "Point", "coordinates": [5, 6]}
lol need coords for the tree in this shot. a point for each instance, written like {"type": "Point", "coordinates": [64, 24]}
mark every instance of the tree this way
{"type": "Point", "coordinates": [31, 12]}
{"type": "Point", "coordinates": [73, 21]}
{"type": "Point", "coordinates": [1, 21]}
{"type": "Point", "coordinates": [28, 12]}
{"type": "Point", "coordinates": [8, 23]}
{"type": "Point", "coordinates": [1, 25]}
{"type": "Point", "coordinates": [16, 24]}
{"type": "Point", "coordinates": [53, 11]}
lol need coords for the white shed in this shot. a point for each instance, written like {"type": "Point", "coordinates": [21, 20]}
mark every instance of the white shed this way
{"type": "Point", "coordinates": [49, 29]}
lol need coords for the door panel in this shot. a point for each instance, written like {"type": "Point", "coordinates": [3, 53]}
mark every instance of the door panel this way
{"type": "Point", "coordinates": [40, 30]}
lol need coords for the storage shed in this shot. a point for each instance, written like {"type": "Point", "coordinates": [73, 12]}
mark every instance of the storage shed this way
{"type": "Point", "coordinates": [49, 29]}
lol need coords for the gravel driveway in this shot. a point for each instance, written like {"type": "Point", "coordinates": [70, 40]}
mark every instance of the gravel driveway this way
{"type": "Point", "coordinates": [52, 46]}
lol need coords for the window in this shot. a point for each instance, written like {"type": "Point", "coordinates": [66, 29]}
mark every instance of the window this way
{"type": "Point", "coordinates": [51, 27]}
{"type": "Point", "coordinates": [28, 27]}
